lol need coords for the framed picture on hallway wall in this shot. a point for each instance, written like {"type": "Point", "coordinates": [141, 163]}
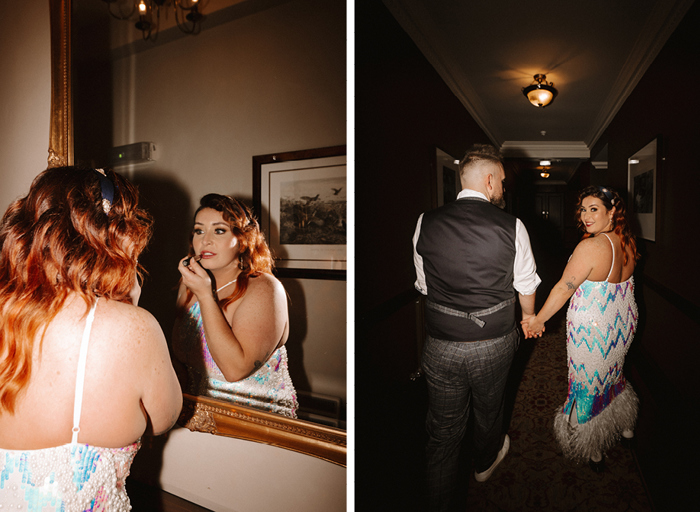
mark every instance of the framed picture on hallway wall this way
{"type": "Point", "coordinates": [642, 170]}
{"type": "Point", "coordinates": [446, 178]}
{"type": "Point", "coordinates": [300, 198]}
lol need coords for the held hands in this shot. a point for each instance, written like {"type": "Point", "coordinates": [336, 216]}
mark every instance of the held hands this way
{"type": "Point", "coordinates": [532, 328]}
{"type": "Point", "coordinates": [194, 277]}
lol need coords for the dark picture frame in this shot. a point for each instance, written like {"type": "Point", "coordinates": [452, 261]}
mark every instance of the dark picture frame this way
{"type": "Point", "coordinates": [642, 187]}
{"type": "Point", "coordinates": [445, 180]}
{"type": "Point", "coordinates": [300, 199]}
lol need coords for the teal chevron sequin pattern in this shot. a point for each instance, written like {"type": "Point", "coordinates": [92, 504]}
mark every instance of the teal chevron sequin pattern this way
{"type": "Point", "coordinates": [601, 322]}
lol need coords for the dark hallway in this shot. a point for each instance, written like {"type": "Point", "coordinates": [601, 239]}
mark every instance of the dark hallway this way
{"type": "Point", "coordinates": [534, 475]}
{"type": "Point", "coordinates": [405, 111]}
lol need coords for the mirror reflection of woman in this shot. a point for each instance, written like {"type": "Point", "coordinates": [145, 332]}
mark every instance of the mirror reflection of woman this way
{"type": "Point", "coordinates": [85, 372]}
{"type": "Point", "coordinates": [232, 322]}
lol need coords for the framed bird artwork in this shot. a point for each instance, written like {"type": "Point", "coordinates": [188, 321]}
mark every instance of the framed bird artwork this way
{"type": "Point", "coordinates": [300, 198]}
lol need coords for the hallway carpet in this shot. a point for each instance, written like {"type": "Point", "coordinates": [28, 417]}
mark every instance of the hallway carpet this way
{"type": "Point", "coordinates": [534, 476]}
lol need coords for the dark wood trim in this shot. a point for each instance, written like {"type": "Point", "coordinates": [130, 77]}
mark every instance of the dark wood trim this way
{"type": "Point", "coordinates": [313, 273]}
{"type": "Point", "coordinates": [686, 307]}
{"type": "Point", "coordinates": [384, 310]}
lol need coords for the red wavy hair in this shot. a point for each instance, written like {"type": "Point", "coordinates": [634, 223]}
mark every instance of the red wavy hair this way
{"type": "Point", "coordinates": [255, 257]}
{"type": "Point", "coordinates": [56, 241]}
{"type": "Point", "coordinates": [621, 227]}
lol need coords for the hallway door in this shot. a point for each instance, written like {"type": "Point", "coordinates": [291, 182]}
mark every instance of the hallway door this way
{"type": "Point", "coordinates": [550, 207]}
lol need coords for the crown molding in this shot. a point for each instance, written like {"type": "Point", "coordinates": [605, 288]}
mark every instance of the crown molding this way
{"type": "Point", "coordinates": [545, 150]}
{"type": "Point", "coordinates": [663, 20]}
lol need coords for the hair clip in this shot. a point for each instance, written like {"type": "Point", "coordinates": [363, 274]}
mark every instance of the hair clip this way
{"type": "Point", "coordinates": [107, 190]}
{"type": "Point", "coordinates": [608, 195]}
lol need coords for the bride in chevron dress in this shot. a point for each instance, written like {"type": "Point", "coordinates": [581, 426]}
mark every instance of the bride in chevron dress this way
{"type": "Point", "coordinates": [601, 405]}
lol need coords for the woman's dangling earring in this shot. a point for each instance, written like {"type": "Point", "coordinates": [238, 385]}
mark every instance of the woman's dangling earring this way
{"type": "Point", "coordinates": [240, 262]}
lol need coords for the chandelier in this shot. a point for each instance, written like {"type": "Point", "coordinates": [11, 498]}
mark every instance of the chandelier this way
{"type": "Point", "coordinates": [540, 93]}
{"type": "Point", "coordinates": [146, 14]}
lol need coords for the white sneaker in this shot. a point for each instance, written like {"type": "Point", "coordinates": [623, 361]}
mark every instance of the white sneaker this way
{"type": "Point", "coordinates": [482, 477]}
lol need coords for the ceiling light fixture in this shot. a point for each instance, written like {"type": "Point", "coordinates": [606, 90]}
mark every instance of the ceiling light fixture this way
{"type": "Point", "coordinates": [544, 168]}
{"type": "Point", "coordinates": [541, 93]}
{"type": "Point", "coordinates": [187, 14]}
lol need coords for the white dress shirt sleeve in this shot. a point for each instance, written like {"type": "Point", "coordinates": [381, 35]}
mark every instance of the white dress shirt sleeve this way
{"type": "Point", "coordinates": [418, 261]}
{"type": "Point", "coordinates": [525, 278]}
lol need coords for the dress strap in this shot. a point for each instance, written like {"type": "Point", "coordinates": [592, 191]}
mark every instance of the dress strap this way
{"type": "Point", "coordinates": [613, 260]}
{"type": "Point", "coordinates": [80, 376]}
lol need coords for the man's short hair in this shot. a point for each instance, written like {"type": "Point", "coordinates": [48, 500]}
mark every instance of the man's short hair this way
{"type": "Point", "coordinates": [480, 152]}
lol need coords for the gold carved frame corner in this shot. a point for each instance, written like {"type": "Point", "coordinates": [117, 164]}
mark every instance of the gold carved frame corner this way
{"type": "Point", "coordinates": [203, 414]}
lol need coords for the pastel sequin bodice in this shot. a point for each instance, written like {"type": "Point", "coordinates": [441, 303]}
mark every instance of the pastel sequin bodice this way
{"type": "Point", "coordinates": [270, 388]}
{"type": "Point", "coordinates": [67, 478]}
{"type": "Point", "coordinates": [601, 321]}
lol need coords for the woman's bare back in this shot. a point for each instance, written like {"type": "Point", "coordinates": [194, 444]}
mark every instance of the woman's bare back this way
{"type": "Point", "coordinates": [127, 371]}
{"type": "Point", "coordinates": [608, 259]}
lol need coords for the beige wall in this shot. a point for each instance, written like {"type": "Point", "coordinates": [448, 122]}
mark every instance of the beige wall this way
{"type": "Point", "coordinates": [25, 96]}
{"type": "Point", "coordinates": [232, 475]}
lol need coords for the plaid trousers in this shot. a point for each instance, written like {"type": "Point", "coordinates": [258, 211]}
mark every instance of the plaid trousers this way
{"type": "Point", "coordinates": [463, 376]}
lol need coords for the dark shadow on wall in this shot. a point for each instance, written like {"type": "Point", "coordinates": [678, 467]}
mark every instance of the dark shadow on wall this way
{"type": "Point", "coordinates": [298, 328]}
{"type": "Point", "coordinates": [169, 204]}
{"type": "Point", "coordinates": [171, 208]}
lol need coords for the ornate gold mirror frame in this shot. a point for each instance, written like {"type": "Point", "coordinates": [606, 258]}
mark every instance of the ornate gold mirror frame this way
{"type": "Point", "coordinates": [199, 414]}
{"type": "Point", "coordinates": [203, 414]}
{"type": "Point", "coordinates": [61, 126]}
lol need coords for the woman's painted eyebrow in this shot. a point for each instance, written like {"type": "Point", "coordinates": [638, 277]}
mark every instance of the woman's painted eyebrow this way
{"type": "Point", "coordinates": [213, 224]}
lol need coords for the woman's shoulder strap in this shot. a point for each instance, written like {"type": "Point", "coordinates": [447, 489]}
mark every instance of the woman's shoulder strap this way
{"type": "Point", "coordinates": [612, 265]}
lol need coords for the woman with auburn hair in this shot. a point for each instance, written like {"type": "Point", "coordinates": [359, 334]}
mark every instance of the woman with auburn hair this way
{"type": "Point", "coordinates": [232, 321]}
{"type": "Point", "coordinates": [601, 320]}
{"type": "Point", "coordinates": [85, 372]}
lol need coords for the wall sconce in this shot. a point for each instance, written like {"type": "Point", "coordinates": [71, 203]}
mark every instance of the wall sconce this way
{"type": "Point", "coordinates": [187, 15]}
{"type": "Point", "coordinates": [541, 93]}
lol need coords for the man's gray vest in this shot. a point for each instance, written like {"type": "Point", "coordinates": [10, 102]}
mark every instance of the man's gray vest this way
{"type": "Point", "coordinates": [468, 250]}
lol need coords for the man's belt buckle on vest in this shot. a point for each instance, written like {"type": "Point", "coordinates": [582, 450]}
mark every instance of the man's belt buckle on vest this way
{"type": "Point", "coordinates": [473, 316]}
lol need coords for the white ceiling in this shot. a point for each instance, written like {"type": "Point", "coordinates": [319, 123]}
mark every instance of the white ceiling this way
{"type": "Point", "coordinates": [594, 51]}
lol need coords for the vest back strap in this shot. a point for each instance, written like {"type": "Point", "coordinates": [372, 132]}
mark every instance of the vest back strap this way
{"type": "Point", "coordinates": [474, 317]}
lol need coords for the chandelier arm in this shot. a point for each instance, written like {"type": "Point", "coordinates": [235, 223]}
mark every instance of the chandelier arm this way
{"type": "Point", "coordinates": [157, 23]}
{"type": "Point", "coordinates": [189, 23]}
{"type": "Point", "coordinates": [184, 25]}
{"type": "Point", "coordinates": [178, 3]}
{"type": "Point", "coordinates": [121, 16]}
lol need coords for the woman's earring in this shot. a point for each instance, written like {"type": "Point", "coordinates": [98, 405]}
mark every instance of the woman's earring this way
{"type": "Point", "coordinates": [240, 262]}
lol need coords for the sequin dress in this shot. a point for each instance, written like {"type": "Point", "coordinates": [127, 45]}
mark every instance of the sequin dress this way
{"type": "Point", "coordinates": [601, 321]}
{"type": "Point", "coordinates": [69, 478]}
{"type": "Point", "coordinates": [270, 388]}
